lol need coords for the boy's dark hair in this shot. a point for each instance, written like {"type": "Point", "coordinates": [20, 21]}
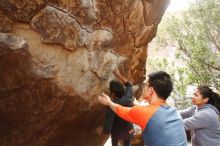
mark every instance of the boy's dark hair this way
{"type": "Point", "coordinates": [162, 83]}
{"type": "Point", "coordinates": [214, 98]}
{"type": "Point", "coordinates": [117, 88]}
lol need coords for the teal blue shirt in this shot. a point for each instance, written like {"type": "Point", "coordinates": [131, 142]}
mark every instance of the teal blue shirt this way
{"type": "Point", "coordinates": [165, 128]}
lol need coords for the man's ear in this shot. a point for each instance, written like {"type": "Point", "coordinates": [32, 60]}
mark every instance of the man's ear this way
{"type": "Point", "coordinates": [206, 100]}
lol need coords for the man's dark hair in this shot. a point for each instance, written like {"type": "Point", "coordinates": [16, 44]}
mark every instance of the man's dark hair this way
{"type": "Point", "coordinates": [162, 83]}
{"type": "Point", "coordinates": [117, 88]}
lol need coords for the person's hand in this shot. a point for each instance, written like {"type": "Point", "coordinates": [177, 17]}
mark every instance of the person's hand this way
{"type": "Point", "coordinates": [104, 99]}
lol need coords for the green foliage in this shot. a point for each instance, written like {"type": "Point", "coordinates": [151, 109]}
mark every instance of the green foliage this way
{"type": "Point", "coordinates": [180, 78]}
{"type": "Point", "coordinates": [196, 35]}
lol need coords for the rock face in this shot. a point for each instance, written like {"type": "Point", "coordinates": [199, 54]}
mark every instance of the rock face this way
{"type": "Point", "coordinates": [56, 56]}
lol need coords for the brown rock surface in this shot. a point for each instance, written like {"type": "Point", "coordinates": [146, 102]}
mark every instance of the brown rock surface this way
{"type": "Point", "coordinates": [55, 63]}
{"type": "Point", "coordinates": [6, 23]}
{"type": "Point", "coordinates": [21, 10]}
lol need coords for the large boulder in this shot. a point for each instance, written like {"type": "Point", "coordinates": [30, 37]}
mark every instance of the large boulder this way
{"type": "Point", "coordinates": [57, 56]}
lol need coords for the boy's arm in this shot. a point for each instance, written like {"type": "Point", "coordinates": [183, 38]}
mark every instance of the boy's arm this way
{"type": "Point", "coordinates": [119, 76]}
{"type": "Point", "coordinates": [128, 88]}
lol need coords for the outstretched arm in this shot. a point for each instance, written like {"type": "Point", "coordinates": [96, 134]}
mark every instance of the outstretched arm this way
{"type": "Point", "coordinates": [188, 112]}
{"type": "Point", "coordinates": [197, 121]}
{"type": "Point", "coordinates": [139, 115]}
{"type": "Point", "coordinates": [105, 100]}
{"type": "Point", "coordinates": [128, 100]}
{"type": "Point", "coordinates": [119, 76]}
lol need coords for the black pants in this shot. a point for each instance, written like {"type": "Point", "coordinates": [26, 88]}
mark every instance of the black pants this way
{"type": "Point", "coordinates": [125, 142]}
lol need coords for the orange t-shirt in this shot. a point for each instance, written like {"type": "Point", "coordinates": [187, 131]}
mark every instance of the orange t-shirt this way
{"type": "Point", "coordinates": [139, 115]}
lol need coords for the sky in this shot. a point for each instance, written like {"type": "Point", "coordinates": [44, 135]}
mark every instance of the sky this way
{"type": "Point", "coordinates": [178, 5]}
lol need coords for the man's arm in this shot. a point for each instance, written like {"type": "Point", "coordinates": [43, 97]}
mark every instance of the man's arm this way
{"type": "Point", "coordinates": [138, 114]}
{"type": "Point", "coordinates": [105, 100]}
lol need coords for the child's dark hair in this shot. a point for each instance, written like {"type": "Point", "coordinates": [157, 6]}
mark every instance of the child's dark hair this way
{"type": "Point", "coordinates": [117, 88]}
{"type": "Point", "coordinates": [214, 98]}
